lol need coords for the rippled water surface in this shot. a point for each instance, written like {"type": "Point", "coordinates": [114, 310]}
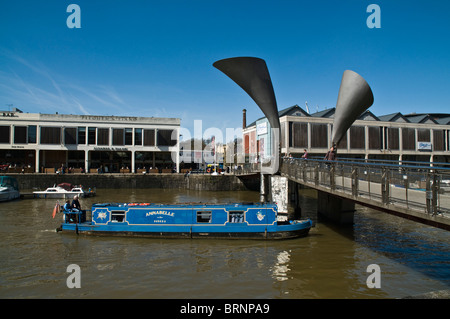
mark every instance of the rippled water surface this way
{"type": "Point", "coordinates": [330, 263]}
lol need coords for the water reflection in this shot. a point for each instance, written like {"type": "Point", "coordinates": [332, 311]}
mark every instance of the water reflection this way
{"type": "Point", "coordinates": [281, 267]}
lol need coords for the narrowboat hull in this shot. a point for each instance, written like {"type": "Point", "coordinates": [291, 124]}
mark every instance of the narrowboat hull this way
{"type": "Point", "coordinates": [279, 232]}
{"type": "Point", "coordinates": [218, 221]}
{"type": "Point", "coordinates": [8, 194]}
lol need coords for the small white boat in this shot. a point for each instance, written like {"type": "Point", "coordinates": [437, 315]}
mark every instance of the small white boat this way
{"type": "Point", "coordinates": [63, 190]}
{"type": "Point", "coordinates": [9, 188]}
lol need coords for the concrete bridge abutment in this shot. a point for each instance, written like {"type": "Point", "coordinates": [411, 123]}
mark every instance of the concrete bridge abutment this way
{"type": "Point", "coordinates": [334, 208]}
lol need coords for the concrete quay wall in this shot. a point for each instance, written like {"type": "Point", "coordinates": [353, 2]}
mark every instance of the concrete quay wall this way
{"type": "Point", "coordinates": [169, 181]}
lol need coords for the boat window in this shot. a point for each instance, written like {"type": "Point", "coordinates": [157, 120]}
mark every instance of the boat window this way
{"type": "Point", "coordinates": [203, 217]}
{"type": "Point", "coordinates": [118, 216]}
{"type": "Point", "coordinates": [236, 217]}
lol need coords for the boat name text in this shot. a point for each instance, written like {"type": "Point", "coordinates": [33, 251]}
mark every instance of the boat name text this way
{"type": "Point", "coordinates": [159, 212]}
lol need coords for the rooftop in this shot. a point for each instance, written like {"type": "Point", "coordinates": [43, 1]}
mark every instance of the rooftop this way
{"type": "Point", "coordinates": [430, 118]}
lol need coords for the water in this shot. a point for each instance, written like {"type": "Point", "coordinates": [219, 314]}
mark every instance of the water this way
{"type": "Point", "coordinates": [330, 263]}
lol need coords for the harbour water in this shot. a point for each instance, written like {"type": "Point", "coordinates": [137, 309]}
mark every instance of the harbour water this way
{"type": "Point", "coordinates": [331, 262]}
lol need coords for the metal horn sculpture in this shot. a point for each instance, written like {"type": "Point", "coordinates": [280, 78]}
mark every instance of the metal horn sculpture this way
{"type": "Point", "coordinates": [252, 75]}
{"type": "Point", "coordinates": [355, 96]}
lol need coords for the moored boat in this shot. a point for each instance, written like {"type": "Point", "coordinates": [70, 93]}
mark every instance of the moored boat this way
{"type": "Point", "coordinates": [64, 190]}
{"type": "Point", "coordinates": [9, 188]}
{"type": "Point", "coordinates": [239, 221]}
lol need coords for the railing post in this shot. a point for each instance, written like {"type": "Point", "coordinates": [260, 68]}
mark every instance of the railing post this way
{"type": "Point", "coordinates": [434, 190]}
{"type": "Point", "coordinates": [303, 163]}
{"type": "Point", "coordinates": [355, 180]}
{"type": "Point", "coordinates": [429, 194]}
{"type": "Point", "coordinates": [406, 183]}
{"type": "Point", "coordinates": [316, 174]}
{"type": "Point", "coordinates": [332, 176]}
{"type": "Point", "coordinates": [385, 186]}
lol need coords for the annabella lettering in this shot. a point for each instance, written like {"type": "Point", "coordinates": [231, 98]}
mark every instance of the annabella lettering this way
{"type": "Point", "coordinates": [159, 212]}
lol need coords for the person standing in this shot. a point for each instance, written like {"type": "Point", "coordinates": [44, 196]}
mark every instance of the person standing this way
{"type": "Point", "coordinates": [305, 154]}
{"type": "Point", "coordinates": [331, 154]}
{"type": "Point", "coordinates": [76, 207]}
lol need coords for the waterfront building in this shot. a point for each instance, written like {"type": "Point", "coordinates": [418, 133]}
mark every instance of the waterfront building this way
{"type": "Point", "coordinates": [32, 142]}
{"type": "Point", "coordinates": [413, 137]}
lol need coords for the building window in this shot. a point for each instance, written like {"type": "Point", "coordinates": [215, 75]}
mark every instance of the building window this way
{"type": "Point", "coordinates": [375, 137]}
{"type": "Point", "coordinates": [423, 135]}
{"type": "Point", "coordinates": [409, 139]}
{"type": "Point", "coordinates": [203, 217]}
{"type": "Point", "coordinates": [4, 134]}
{"type": "Point", "coordinates": [439, 140]}
{"type": "Point", "coordinates": [32, 134]}
{"type": "Point", "coordinates": [91, 135]}
{"type": "Point", "coordinates": [319, 135]}
{"type": "Point", "coordinates": [357, 137]}
{"type": "Point", "coordinates": [149, 137]}
{"type": "Point", "coordinates": [128, 136]}
{"type": "Point", "coordinates": [342, 145]}
{"type": "Point", "coordinates": [70, 136]}
{"type": "Point", "coordinates": [138, 136]}
{"type": "Point", "coordinates": [103, 136]}
{"type": "Point", "coordinates": [393, 139]}
{"type": "Point", "coordinates": [50, 135]}
{"type": "Point", "coordinates": [81, 135]}
{"type": "Point", "coordinates": [118, 136]}
{"type": "Point", "coordinates": [298, 133]}
{"type": "Point", "coordinates": [20, 134]}
{"type": "Point", "coordinates": [164, 138]}
{"type": "Point", "coordinates": [448, 140]}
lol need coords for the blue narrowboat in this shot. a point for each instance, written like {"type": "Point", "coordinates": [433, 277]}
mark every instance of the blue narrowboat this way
{"type": "Point", "coordinates": [239, 221]}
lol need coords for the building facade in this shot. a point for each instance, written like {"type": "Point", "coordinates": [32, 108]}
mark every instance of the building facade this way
{"type": "Point", "coordinates": [88, 143]}
{"type": "Point", "coordinates": [398, 137]}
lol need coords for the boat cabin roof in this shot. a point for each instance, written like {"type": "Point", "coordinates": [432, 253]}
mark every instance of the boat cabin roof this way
{"type": "Point", "coordinates": [195, 204]}
{"type": "Point", "coordinates": [8, 181]}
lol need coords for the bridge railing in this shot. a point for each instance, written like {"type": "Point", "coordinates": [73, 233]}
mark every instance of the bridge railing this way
{"type": "Point", "coordinates": [418, 187]}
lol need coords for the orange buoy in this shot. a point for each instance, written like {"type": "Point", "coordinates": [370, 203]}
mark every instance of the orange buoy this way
{"type": "Point", "coordinates": [56, 209]}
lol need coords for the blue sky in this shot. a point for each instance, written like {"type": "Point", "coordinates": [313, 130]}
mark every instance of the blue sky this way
{"type": "Point", "coordinates": [154, 58]}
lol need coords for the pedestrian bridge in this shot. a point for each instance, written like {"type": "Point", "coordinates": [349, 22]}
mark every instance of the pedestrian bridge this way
{"type": "Point", "coordinates": [414, 190]}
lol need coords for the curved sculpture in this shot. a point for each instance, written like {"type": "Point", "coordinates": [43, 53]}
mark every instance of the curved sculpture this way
{"type": "Point", "coordinates": [252, 75]}
{"type": "Point", "coordinates": [355, 96]}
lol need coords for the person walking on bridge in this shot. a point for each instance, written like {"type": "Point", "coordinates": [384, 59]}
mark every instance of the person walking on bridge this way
{"type": "Point", "coordinates": [331, 154]}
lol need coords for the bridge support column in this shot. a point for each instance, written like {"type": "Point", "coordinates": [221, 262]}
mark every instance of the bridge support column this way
{"type": "Point", "coordinates": [279, 194]}
{"type": "Point", "coordinates": [337, 209]}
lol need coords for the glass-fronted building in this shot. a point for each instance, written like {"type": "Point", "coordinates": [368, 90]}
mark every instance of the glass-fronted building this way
{"type": "Point", "coordinates": [412, 137]}
{"type": "Point", "coordinates": [32, 142]}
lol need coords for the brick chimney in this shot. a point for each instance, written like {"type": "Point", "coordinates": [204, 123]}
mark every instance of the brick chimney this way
{"type": "Point", "coordinates": [244, 118]}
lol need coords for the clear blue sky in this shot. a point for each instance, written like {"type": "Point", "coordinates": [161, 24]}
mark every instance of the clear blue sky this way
{"type": "Point", "coordinates": [154, 58]}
